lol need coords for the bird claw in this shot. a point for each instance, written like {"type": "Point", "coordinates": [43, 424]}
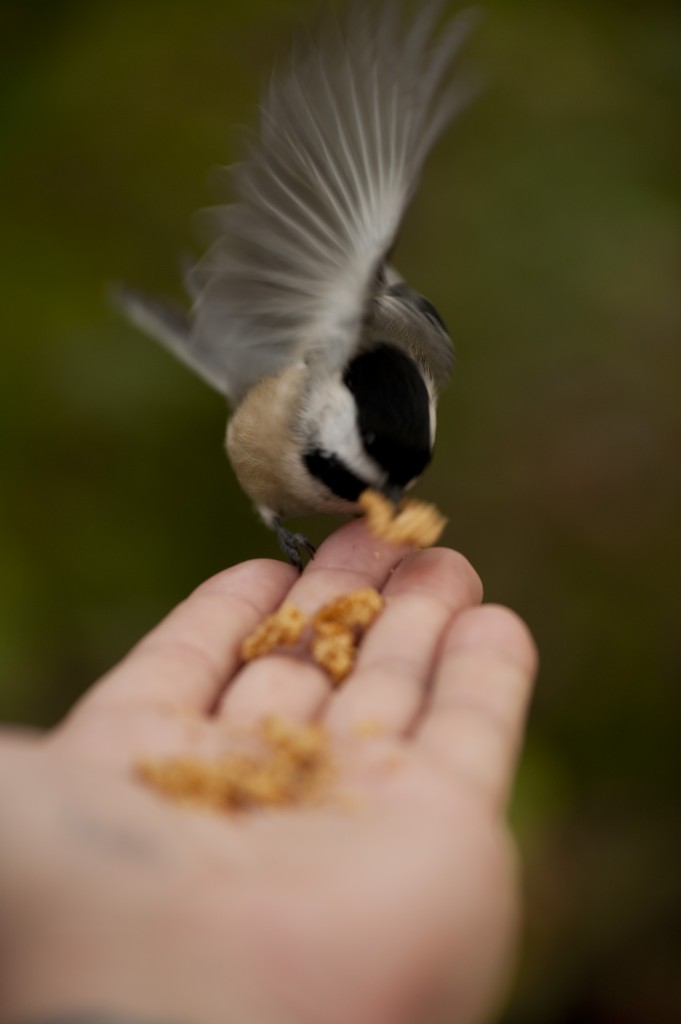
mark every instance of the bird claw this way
{"type": "Point", "coordinates": [292, 544]}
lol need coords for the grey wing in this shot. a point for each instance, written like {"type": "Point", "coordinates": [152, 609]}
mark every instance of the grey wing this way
{"type": "Point", "coordinates": [344, 134]}
{"type": "Point", "coordinates": [408, 318]}
{"type": "Point", "coordinates": [169, 325]}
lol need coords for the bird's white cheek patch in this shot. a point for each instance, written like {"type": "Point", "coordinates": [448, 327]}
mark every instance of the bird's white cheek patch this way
{"type": "Point", "coordinates": [332, 421]}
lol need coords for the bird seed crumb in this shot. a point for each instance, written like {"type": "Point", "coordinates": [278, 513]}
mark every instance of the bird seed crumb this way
{"type": "Point", "coordinates": [416, 523]}
{"type": "Point", "coordinates": [294, 768]}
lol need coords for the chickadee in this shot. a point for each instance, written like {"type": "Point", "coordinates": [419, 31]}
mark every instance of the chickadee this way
{"type": "Point", "coordinates": [331, 363]}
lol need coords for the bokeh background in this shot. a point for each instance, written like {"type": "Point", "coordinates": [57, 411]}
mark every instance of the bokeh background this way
{"type": "Point", "coordinates": [548, 233]}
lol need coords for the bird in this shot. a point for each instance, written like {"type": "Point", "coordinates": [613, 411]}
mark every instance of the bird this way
{"type": "Point", "coordinates": [331, 363]}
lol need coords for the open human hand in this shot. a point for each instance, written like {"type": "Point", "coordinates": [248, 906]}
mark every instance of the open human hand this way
{"type": "Point", "coordinates": [400, 906]}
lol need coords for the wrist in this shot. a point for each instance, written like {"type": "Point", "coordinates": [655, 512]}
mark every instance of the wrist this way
{"type": "Point", "coordinates": [70, 952]}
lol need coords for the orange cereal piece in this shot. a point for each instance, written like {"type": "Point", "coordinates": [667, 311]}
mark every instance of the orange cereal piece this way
{"type": "Point", "coordinates": [305, 743]}
{"type": "Point", "coordinates": [415, 523]}
{"type": "Point", "coordinates": [335, 652]}
{"type": "Point", "coordinates": [335, 631]}
{"type": "Point", "coordinates": [283, 628]}
{"type": "Point", "coordinates": [378, 511]}
{"type": "Point", "coordinates": [293, 769]}
{"type": "Point", "coordinates": [356, 610]}
{"type": "Point", "coordinates": [337, 628]}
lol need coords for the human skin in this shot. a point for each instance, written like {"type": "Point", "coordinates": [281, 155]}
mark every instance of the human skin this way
{"type": "Point", "coordinates": [398, 904]}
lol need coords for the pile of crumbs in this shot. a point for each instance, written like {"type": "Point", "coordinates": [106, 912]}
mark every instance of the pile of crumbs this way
{"type": "Point", "coordinates": [293, 768]}
{"type": "Point", "coordinates": [283, 629]}
{"type": "Point", "coordinates": [334, 631]}
{"type": "Point", "coordinates": [416, 523]}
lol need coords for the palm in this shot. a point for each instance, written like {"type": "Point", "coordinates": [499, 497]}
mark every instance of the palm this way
{"type": "Point", "coordinates": [400, 891]}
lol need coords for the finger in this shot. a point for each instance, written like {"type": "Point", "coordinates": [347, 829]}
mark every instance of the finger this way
{"type": "Point", "coordinates": [350, 558]}
{"type": "Point", "coordinates": [475, 718]}
{"type": "Point", "coordinates": [281, 685]}
{"type": "Point", "coordinates": [292, 687]}
{"type": "Point", "coordinates": [187, 660]}
{"type": "Point", "coordinates": [395, 660]}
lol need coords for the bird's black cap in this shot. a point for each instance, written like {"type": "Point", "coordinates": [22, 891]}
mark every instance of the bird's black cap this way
{"type": "Point", "coordinates": [393, 411]}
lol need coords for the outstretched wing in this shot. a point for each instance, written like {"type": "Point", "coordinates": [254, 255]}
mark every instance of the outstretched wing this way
{"type": "Point", "coordinates": [344, 134]}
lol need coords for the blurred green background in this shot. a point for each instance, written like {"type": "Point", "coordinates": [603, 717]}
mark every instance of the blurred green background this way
{"type": "Point", "coordinates": [548, 233]}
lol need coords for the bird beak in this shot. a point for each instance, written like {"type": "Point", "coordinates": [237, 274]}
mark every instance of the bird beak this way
{"type": "Point", "coordinates": [393, 493]}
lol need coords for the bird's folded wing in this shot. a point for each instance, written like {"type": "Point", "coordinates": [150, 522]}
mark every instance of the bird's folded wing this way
{"type": "Point", "coordinates": [345, 130]}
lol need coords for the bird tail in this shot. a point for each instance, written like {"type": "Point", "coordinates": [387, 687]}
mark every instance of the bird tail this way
{"type": "Point", "coordinates": [166, 323]}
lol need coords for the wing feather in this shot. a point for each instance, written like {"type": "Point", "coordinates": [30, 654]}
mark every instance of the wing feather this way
{"type": "Point", "coordinates": [345, 130]}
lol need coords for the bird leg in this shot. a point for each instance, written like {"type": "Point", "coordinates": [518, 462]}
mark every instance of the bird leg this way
{"type": "Point", "coordinates": [292, 544]}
